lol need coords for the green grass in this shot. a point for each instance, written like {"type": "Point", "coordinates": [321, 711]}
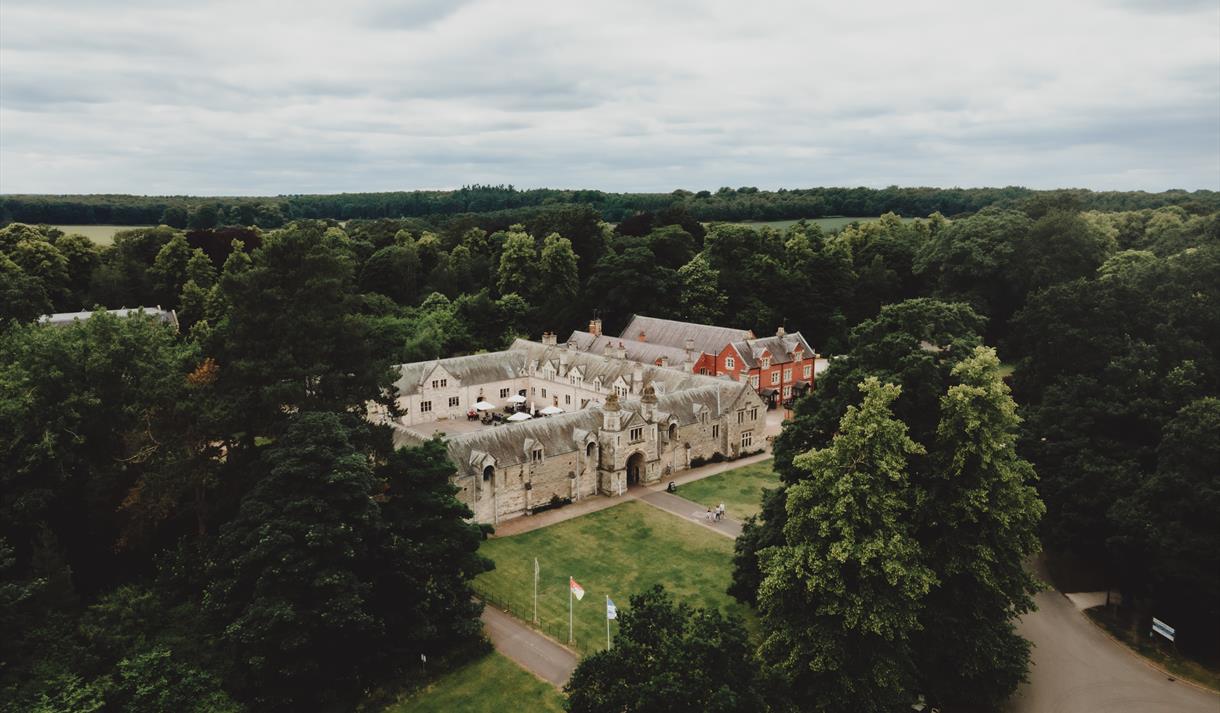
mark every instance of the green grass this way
{"type": "Point", "coordinates": [739, 489]}
{"type": "Point", "coordinates": [828, 224]}
{"type": "Point", "coordinates": [615, 552]}
{"type": "Point", "coordinates": [488, 685]}
{"type": "Point", "coordinates": [1123, 629]}
{"type": "Point", "coordinates": [100, 234]}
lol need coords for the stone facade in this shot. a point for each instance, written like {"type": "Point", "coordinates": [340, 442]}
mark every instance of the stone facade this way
{"type": "Point", "coordinates": [626, 423]}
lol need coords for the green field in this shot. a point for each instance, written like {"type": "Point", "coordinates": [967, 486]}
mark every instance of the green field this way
{"type": "Point", "coordinates": [489, 685]}
{"type": "Point", "coordinates": [615, 552]}
{"type": "Point", "coordinates": [739, 489]}
{"type": "Point", "coordinates": [100, 234]}
{"type": "Point", "coordinates": [827, 224]}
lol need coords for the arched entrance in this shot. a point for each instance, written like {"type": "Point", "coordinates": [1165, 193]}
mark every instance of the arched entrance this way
{"type": "Point", "coordinates": [635, 468]}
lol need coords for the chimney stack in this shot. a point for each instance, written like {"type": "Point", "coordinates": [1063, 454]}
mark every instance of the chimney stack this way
{"type": "Point", "coordinates": [780, 332]}
{"type": "Point", "coordinates": [664, 361]}
{"type": "Point", "coordinates": [637, 379]}
{"type": "Point", "coordinates": [608, 349]}
{"type": "Point", "coordinates": [549, 339]}
{"type": "Point", "coordinates": [690, 344]}
{"type": "Point", "coordinates": [595, 327]}
{"type": "Point", "coordinates": [621, 352]}
{"type": "Point", "coordinates": [643, 337]}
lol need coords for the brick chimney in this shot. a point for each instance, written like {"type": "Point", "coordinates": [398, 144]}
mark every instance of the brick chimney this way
{"type": "Point", "coordinates": [595, 327]}
{"type": "Point", "coordinates": [643, 337]}
{"type": "Point", "coordinates": [549, 339]}
{"type": "Point", "coordinates": [664, 361]}
{"type": "Point", "coordinates": [780, 332]}
{"type": "Point", "coordinates": [621, 351]}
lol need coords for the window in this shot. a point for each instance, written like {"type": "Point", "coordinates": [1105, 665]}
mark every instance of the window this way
{"type": "Point", "coordinates": [454, 401]}
{"type": "Point", "coordinates": [533, 390]}
{"type": "Point", "coordinates": [808, 370]}
{"type": "Point", "coordinates": [544, 392]}
{"type": "Point", "coordinates": [425, 406]}
{"type": "Point", "coordinates": [774, 378]}
{"type": "Point", "coordinates": [788, 374]}
{"type": "Point", "coordinates": [567, 399]}
{"type": "Point", "coordinates": [704, 371]}
{"type": "Point", "coordinates": [741, 416]}
{"type": "Point", "coordinates": [504, 393]}
{"type": "Point", "coordinates": [754, 381]}
{"type": "Point", "coordinates": [787, 392]}
{"type": "Point", "coordinates": [754, 411]}
{"type": "Point", "coordinates": [703, 418]}
{"type": "Point", "coordinates": [747, 439]}
{"type": "Point", "coordinates": [716, 431]}
{"type": "Point", "coordinates": [730, 363]}
{"type": "Point", "coordinates": [620, 390]}
{"type": "Point", "coordinates": [637, 434]}
{"type": "Point", "coordinates": [766, 362]}
{"type": "Point", "coordinates": [536, 455]}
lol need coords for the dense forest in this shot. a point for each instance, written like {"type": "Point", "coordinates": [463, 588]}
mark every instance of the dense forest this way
{"type": "Point", "coordinates": [438, 207]}
{"type": "Point", "coordinates": [203, 520]}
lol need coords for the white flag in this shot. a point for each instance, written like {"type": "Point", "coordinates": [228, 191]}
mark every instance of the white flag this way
{"type": "Point", "coordinates": [611, 610]}
{"type": "Point", "coordinates": [577, 590]}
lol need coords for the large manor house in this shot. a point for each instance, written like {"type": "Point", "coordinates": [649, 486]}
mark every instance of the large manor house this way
{"type": "Point", "coordinates": [596, 416]}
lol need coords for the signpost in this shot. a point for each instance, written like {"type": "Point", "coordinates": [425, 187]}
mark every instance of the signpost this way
{"type": "Point", "coordinates": [1160, 627]}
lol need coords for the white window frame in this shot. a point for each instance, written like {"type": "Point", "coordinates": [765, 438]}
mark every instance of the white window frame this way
{"type": "Point", "coordinates": [788, 374]}
{"type": "Point", "coordinates": [747, 439]}
{"type": "Point", "coordinates": [787, 392]}
{"type": "Point", "coordinates": [730, 363]}
{"type": "Point", "coordinates": [808, 370]}
{"type": "Point", "coordinates": [754, 381]}
{"type": "Point", "coordinates": [766, 362]}
{"type": "Point", "coordinates": [775, 377]}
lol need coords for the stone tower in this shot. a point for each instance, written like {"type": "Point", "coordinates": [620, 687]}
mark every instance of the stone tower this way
{"type": "Point", "coordinates": [648, 403]}
{"type": "Point", "coordinates": [611, 414]}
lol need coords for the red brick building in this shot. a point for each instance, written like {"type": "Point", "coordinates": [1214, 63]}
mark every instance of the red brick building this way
{"type": "Point", "coordinates": [779, 368]}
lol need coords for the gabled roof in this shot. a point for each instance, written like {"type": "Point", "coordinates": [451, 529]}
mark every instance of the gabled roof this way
{"type": "Point", "coordinates": [161, 315]}
{"type": "Point", "coordinates": [779, 347]}
{"type": "Point", "coordinates": [644, 352]}
{"type": "Point", "coordinates": [473, 369]}
{"type": "Point", "coordinates": [668, 332]}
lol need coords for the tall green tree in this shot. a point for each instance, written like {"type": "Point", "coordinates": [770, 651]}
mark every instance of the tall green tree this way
{"type": "Point", "coordinates": [701, 300]}
{"type": "Point", "coordinates": [558, 280]}
{"type": "Point", "coordinates": [670, 658]}
{"type": "Point", "coordinates": [518, 264]}
{"type": "Point", "coordinates": [978, 521]}
{"type": "Point", "coordinates": [841, 597]}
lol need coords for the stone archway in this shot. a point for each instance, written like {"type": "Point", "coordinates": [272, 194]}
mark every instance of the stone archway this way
{"type": "Point", "coordinates": [635, 469]}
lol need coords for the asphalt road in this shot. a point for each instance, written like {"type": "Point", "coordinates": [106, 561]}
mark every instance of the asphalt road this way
{"type": "Point", "coordinates": [1078, 669]}
{"type": "Point", "coordinates": [531, 650]}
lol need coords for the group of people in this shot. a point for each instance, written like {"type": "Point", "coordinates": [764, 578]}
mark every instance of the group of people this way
{"type": "Point", "coordinates": [716, 514]}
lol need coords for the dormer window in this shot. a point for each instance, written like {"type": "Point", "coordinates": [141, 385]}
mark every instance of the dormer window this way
{"type": "Point", "coordinates": [766, 362]}
{"type": "Point", "coordinates": [536, 456]}
{"type": "Point", "coordinates": [730, 363]}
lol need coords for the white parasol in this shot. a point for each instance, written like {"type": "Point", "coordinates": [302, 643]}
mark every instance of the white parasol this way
{"type": "Point", "coordinates": [516, 399]}
{"type": "Point", "coordinates": [550, 411]}
{"type": "Point", "coordinates": [520, 416]}
{"type": "Point", "coordinates": [484, 406]}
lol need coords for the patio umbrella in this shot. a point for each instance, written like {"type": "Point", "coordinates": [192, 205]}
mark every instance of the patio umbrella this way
{"type": "Point", "coordinates": [520, 416]}
{"type": "Point", "coordinates": [484, 406]}
{"type": "Point", "coordinates": [516, 399]}
{"type": "Point", "coordinates": [550, 411]}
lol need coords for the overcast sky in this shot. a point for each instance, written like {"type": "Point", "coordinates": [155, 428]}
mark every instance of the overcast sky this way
{"type": "Point", "coordinates": [252, 97]}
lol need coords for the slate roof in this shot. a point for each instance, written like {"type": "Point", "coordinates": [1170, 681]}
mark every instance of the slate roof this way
{"type": "Point", "coordinates": [645, 352]}
{"type": "Point", "coordinates": [60, 318]}
{"type": "Point", "coordinates": [472, 369]}
{"type": "Point", "coordinates": [607, 369]}
{"type": "Point", "coordinates": [780, 348]}
{"type": "Point", "coordinates": [707, 338]}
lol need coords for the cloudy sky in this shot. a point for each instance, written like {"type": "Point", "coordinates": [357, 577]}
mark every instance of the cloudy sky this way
{"type": "Point", "coordinates": [253, 97]}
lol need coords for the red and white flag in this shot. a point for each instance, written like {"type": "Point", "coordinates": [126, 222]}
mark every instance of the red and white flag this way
{"type": "Point", "coordinates": [577, 590]}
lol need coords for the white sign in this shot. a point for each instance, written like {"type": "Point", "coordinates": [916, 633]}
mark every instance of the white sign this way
{"type": "Point", "coordinates": [1160, 627]}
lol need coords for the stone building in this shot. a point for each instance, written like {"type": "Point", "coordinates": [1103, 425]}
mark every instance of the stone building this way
{"type": "Point", "coordinates": [624, 423]}
{"type": "Point", "coordinates": [663, 342]}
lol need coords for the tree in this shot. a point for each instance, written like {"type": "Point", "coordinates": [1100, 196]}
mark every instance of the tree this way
{"type": "Point", "coordinates": [42, 261]}
{"type": "Point", "coordinates": [83, 257]}
{"type": "Point", "coordinates": [291, 337]}
{"type": "Point", "coordinates": [175, 216]}
{"type": "Point", "coordinates": [669, 658]}
{"type": "Point", "coordinates": [701, 301]}
{"type": "Point", "coordinates": [978, 521]}
{"type": "Point", "coordinates": [291, 575]}
{"type": "Point", "coordinates": [169, 270]}
{"type": "Point", "coordinates": [22, 297]}
{"type": "Point", "coordinates": [840, 599]}
{"type": "Point", "coordinates": [559, 280]}
{"type": "Point", "coordinates": [518, 264]}
{"type": "Point", "coordinates": [632, 281]}
{"type": "Point", "coordinates": [393, 271]}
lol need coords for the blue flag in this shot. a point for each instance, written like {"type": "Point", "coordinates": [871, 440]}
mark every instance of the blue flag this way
{"type": "Point", "coordinates": [611, 610]}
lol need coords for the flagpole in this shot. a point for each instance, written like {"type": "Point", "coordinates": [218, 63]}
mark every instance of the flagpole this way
{"type": "Point", "coordinates": [569, 610]}
{"type": "Point", "coordinates": [535, 590]}
{"type": "Point", "coordinates": [607, 622]}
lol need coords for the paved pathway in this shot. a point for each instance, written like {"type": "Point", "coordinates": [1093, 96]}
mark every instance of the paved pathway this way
{"type": "Point", "coordinates": [1076, 668]}
{"type": "Point", "coordinates": [530, 649]}
{"type": "Point", "coordinates": [687, 510]}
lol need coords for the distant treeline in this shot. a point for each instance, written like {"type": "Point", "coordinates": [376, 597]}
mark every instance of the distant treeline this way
{"type": "Point", "coordinates": [725, 204]}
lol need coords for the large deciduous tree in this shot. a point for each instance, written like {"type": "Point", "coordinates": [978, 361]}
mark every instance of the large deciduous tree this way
{"type": "Point", "coordinates": [978, 519]}
{"type": "Point", "coordinates": [841, 597]}
{"type": "Point", "coordinates": [670, 658]}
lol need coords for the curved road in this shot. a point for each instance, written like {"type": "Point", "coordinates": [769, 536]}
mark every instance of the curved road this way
{"type": "Point", "coordinates": [1078, 669]}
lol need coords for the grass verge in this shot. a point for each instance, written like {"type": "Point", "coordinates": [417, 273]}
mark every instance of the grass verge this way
{"type": "Point", "coordinates": [615, 552]}
{"type": "Point", "coordinates": [739, 489]}
{"type": "Point", "coordinates": [1123, 627]}
{"type": "Point", "coordinates": [487, 685]}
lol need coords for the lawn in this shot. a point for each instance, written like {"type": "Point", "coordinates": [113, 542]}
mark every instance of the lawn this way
{"type": "Point", "coordinates": [100, 234]}
{"type": "Point", "coordinates": [489, 685]}
{"type": "Point", "coordinates": [739, 489]}
{"type": "Point", "coordinates": [828, 224]}
{"type": "Point", "coordinates": [615, 552]}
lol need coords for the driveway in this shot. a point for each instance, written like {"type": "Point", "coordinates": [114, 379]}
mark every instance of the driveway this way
{"type": "Point", "coordinates": [530, 649]}
{"type": "Point", "coordinates": [1078, 669]}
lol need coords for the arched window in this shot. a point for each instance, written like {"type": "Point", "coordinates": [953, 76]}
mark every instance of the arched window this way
{"type": "Point", "coordinates": [673, 431]}
{"type": "Point", "coordinates": [590, 449]}
{"type": "Point", "coordinates": [488, 473]}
